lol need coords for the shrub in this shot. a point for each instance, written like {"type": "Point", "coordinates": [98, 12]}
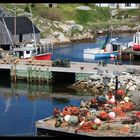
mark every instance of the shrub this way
{"type": "Point", "coordinates": [83, 17]}
{"type": "Point", "coordinates": [27, 8]}
{"type": "Point", "coordinates": [52, 14]}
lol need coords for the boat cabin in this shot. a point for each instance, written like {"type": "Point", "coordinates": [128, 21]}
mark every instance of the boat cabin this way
{"type": "Point", "coordinates": [24, 52]}
{"type": "Point", "coordinates": [136, 42]}
{"type": "Point", "coordinates": [136, 38]}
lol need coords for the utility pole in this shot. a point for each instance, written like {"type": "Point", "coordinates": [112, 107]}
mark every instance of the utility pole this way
{"type": "Point", "coordinates": [33, 28]}
{"type": "Point", "coordinates": [15, 27]}
{"type": "Point", "coordinates": [117, 6]}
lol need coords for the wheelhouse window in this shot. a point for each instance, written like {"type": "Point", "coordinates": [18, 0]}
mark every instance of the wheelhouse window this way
{"type": "Point", "coordinates": [127, 4]}
{"type": "Point", "coordinates": [27, 52]}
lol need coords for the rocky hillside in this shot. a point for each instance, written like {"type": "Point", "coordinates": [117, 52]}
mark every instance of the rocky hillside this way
{"type": "Point", "coordinates": [75, 22]}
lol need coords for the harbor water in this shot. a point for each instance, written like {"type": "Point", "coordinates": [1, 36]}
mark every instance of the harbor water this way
{"type": "Point", "coordinates": [74, 52]}
{"type": "Point", "coordinates": [22, 104]}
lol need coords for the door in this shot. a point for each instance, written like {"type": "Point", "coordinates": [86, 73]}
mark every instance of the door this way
{"type": "Point", "coordinates": [20, 38]}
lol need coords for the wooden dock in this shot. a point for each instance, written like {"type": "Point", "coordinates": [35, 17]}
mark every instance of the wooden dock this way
{"type": "Point", "coordinates": [46, 127]}
{"type": "Point", "coordinates": [36, 71]}
{"type": "Point", "coordinates": [130, 53]}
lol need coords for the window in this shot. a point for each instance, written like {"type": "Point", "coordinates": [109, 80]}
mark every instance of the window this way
{"type": "Point", "coordinates": [127, 4]}
{"type": "Point", "coordinates": [27, 52]}
{"type": "Point", "coordinates": [50, 5]}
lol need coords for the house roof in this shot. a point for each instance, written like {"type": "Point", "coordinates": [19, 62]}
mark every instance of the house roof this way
{"type": "Point", "coordinates": [23, 25]}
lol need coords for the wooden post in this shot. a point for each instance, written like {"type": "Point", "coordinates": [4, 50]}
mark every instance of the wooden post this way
{"type": "Point", "coordinates": [39, 75]}
{"type": "Point", "coordinates": [116, 84]}
{"type": "Point", "coordinates": [44, 48]}
{"type": "Point", "coordinates": [12, 72]}
{"type": "Point", "coordinates": [40, 49]}
{"type": "Point", "coordinates": [28, 74]}
{"type": "Point", "coordinates": [15, 77]}
{"type": "Point", "coordinates": [31, 74]}
{"type": "Point", "coordinates": [131, 56]}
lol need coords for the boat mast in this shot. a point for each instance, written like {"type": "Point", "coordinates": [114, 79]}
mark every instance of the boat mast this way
{"type": "Point", "coordinates": [33, 28]}
{"type": "Point", "coordinates": [111, 30]}
{"type": "Point", "coordinates": [14, 26]}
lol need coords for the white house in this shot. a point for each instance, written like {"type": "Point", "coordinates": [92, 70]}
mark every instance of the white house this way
{"type": "Point", "coordinates": [120, 5]}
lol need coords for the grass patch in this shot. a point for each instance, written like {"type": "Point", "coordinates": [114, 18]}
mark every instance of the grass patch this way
{"type": "Point", "coordinates": [96, 18]}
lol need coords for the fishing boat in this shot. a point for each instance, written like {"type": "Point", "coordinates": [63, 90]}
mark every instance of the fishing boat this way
{"type": "Point", "coordinates": [30, 51]}
{"type": "Point", "coordinates": [108, 50]}
{"type": "Point", "coordinates": [136, 41]}
{"type": "Point", "coordinates": [98, 54]}
{"type": "Point", "coordinates": [24, 50]}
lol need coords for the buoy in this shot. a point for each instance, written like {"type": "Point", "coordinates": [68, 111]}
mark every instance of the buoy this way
{"type": "Point", "coordinates": [107, 97]}
{"type": "Point", "coordinates": [81, 123]}
{"type": "Point", "coordinates": [111, 115]}
{"type": "Point", "coordinates": [95, 126]}
{"type": "Point", "coordinates": [122, 102]}
{"type": "Point", "coordinates": [101, 99]}
{"type": "Point", "coordinates": [126, 99]}
{"type": "Point", "coordinates": [120, 92]}
{"type": "Point", "coordinates": [112, 100]}
{"type": "Point", "coordinates": [67, 118]}
{"type": "Point", "coordinates": [97, 121]}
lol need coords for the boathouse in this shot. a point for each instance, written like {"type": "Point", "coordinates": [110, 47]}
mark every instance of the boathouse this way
{"type": "Point", "coordinates": [15, 30]}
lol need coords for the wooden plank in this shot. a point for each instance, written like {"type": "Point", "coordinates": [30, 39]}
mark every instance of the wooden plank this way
{"type": "Point", "coordinates": [48, 125]}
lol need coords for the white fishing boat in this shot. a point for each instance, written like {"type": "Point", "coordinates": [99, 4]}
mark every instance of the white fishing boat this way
{"type": "Point", "coordinates": [29, 50]}
{"type": "Point", "coordinates": [108, 50]}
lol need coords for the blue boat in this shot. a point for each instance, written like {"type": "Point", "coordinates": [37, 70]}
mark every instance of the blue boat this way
{"type": "Point", "coordinates": [92, 54]}
{"type": "Point", "coordinates": [110, 49]}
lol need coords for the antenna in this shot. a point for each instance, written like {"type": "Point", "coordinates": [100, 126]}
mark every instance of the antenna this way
{"type": "Point", "coordinates": [33, 27]}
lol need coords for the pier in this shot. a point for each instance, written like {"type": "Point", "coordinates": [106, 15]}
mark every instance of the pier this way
{"type": "Point", "coordinates": [130, 53]}
{"type": "Point", "coordinates": [43, 71]}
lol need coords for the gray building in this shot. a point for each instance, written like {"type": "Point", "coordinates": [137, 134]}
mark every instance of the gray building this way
{"type": "Point", "coordinates": [15, 30]}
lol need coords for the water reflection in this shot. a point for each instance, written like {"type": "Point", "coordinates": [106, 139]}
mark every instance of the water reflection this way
{"type": "Point", "coordinates": [22, 104]}
{"type": "Point", "coordinates": [7, 104]}
{"type": "Point", "coordinates": [59, 100]}
{"type": "Point", "coordinates": [32, 91]}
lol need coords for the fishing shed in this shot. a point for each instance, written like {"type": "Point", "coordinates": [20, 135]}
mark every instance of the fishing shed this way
{"type": "Point", "coordinates": [15, 30]}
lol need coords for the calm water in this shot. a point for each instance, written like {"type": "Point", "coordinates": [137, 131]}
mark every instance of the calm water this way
{"type": "Point", "coordinates": [23, 104]}
{"type": "Point", "coordinates": [74, 52]}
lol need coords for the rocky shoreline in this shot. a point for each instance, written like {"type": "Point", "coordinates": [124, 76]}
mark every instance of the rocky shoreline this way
{"type": "Point", "coordinates": [102, 82]}
{"type": "Point", "coordinates": [69, 32]}
{"type": "Point", "coordinates": [91, 38]}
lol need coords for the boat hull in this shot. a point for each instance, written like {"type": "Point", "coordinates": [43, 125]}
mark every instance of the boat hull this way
{"type": "Point", "coordinates": [46, 56]}
{"type": "Point", "coordinates": [136, 47]}
{"type": "Point", "coordinates": [100, 55]}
